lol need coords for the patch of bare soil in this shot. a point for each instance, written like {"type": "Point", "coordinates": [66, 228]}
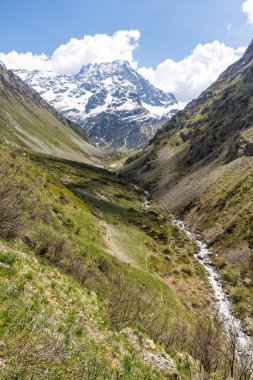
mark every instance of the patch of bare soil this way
{"type": "Point", "coordinates": [111, 237]}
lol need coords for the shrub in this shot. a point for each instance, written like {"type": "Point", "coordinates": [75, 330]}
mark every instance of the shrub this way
{"type": "Point", "coordinates": [232, 276]}
{"type": "Point", "coordinates": [128, 302]}
{"type": "Point", "coordinates": [250, 239]}
{"type": "Point", "coordinates": [7, 258]}
{"type": "Point", "coordinates": [239, 294]}
{"type": "Point", "coordinates": [68, 222]}
{"type": "Point", "coordinates": [220, 262]}
{"type": "Point", "coordinates": [187, 270]}
{"type": "Point", "coordinates": [29, 275]}
{"type": "Point", "coordinates": [244, 268]}
{"type": "Point", "coordinates": [168, 250]}
{"type": "Point", "coordinates": [51, 243]}
{"type": "Point", "coordinates": [176, 273]}
{"type": "Point", "coordinates": [183, 258]}
{"type": "Point", "coordinates": [104, 264]}
{"type": "Point", "coordinates": [16, 199]}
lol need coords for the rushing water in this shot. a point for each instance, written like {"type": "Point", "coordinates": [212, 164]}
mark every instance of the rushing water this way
{"type": "Point", "coordinates": [146, 196]}
{"type": "Point", "coordinates": [223, 304]}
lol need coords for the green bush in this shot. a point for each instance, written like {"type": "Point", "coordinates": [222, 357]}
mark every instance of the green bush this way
{"type": "Point", "coordinates": [51, 243]}
{"type": "Point", "coordinates": [68, 222]}
{"type": "Point", "coordinates": [183, 258]}
{"type": "Point", "coordinates": [187, 270]}
{"type": "Point", "coordinates": [29, 275]}
{"type": "Point", "coordinates": [176, 273]}
{"type": "Point", "coordinates": [244, 268]}
{"type": "Point", "coordinates": [239, 294]}
{"type": "Point", "coordinates": [7, 258]}
{"type": "Point", "coordinates": [232, 276]}
{"type": "Point", "coordinates": [220, 262]}
{"type": "Point", "coordinates": [104, 264]}
{"type": "Point", "coordinates": [16, 200]}
{"type": "Point", "coordinates": [168, 250]}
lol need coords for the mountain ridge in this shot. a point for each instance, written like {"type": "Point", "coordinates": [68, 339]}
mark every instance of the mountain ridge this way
{"type": "Point", "coordinates": [226, 74]}
{"type": "Point", "coordinates": [111, 101]}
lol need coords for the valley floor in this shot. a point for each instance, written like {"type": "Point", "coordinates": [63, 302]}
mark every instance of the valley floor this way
{"type": "Point", "coordinates": [94, 284]}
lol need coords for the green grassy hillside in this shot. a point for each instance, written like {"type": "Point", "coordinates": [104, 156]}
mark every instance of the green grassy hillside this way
{"type": "Point", "coordinates": [26, 120]}
{"type": "Point", "coordinates": [94, 285]}
{"type": "Point", "coordinates": [90, 280]}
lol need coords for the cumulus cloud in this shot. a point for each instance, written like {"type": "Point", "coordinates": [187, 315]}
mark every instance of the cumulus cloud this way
{"type": "Point", "coordinates": [247, 8]}
{"type": "Point", "coordinates": [187, 78]}
{"type": "Point", "coordinates": [69, 58]}
{"type": "Point", "coordinates": [29, 61]}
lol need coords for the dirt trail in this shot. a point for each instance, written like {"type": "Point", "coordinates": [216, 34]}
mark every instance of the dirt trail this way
{"type": "Point", "coordinates": [111, 237]}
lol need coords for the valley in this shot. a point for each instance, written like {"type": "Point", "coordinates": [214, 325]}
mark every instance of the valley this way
{"type": "Point", "coordinates": [93, 213]}
{"type": "Point", "coordinates": [131, 256]}
{"type": "Point", "coordinates": [199, 166]}
{"type": "Point", "coordinates": [96, 243]}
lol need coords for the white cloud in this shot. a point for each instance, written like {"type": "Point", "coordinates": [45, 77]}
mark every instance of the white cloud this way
{"type": "Point", "coordinates": [187, 78]}
{"type": "Point", "coordinates": [29, 61]}
{"type": "Point", "coordinates": [69, 58]}
{"type": "Point", "coordinates": [247, 8]}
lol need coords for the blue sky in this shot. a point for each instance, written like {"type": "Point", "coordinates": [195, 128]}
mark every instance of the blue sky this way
{"type": "Point", "coordinates": [157, 36]}
{"type": "Point", "coordinates": [169, 28]}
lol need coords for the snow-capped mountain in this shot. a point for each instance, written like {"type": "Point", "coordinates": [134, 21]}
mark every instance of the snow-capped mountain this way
{"type": "Point", "coordinates": [111, 101]}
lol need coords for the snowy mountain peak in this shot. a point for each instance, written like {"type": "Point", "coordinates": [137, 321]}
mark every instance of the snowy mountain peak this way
{"type": "Point", "coordinates": [107, 66]}
{"type": "Point", "coordinates": [112, 101]}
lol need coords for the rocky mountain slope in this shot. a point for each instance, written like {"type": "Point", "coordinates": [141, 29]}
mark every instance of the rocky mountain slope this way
{"type": "Point", "coordinates": [112, 102]}
{"type": "Point", "coordinates": [26, 120]}
{"type": "Point", "coordinates": [199, 165]}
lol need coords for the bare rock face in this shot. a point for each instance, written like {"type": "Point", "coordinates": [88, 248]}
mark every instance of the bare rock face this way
{"type": "Point", "coordinates": [159, 360]}
{"type": "Point", "coordinates": [162, 363]}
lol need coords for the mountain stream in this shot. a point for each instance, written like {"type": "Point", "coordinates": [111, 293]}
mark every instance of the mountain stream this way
{"type": "Point", "coordinates": [223, 304]}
